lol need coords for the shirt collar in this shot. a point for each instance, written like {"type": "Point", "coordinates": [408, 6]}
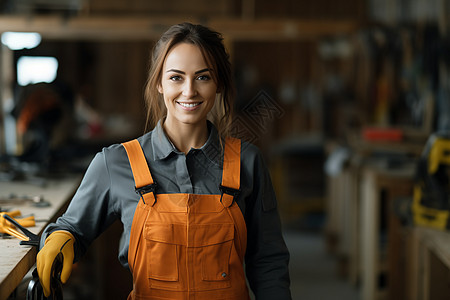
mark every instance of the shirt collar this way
{"type": "Point", "coordinates": [163, 147]}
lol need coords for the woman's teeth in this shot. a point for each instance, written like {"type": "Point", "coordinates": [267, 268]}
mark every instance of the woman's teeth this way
{"type": "Point", "coordinates": [189, 105]}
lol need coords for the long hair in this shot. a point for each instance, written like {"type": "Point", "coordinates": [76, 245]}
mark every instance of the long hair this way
{"type": "Point", "coordinates": [213, 50]}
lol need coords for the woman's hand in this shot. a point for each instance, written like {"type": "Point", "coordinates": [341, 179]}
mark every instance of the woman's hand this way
{"type": "Point", "coordinates": [58, 246]}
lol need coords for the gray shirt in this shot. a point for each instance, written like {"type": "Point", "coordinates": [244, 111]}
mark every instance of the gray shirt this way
{"type": "Point", "coordinates": [107, 193]}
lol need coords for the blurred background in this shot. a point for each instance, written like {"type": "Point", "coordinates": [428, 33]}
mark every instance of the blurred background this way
{"type": "Point", "coordinates": [340, 96]}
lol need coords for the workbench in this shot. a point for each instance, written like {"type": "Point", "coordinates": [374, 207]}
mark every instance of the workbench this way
{"type": "Point", "coordinates": [17, 260]}
{"type": "Point", "coordinates": [361, 226]}
{"type": "Point", "coordinates": [380, 186]}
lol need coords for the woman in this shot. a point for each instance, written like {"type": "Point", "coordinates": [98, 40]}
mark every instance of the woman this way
{"type": "Point", "coordinates": [194, 203]}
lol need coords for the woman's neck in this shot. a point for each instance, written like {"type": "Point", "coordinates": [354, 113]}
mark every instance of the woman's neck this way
{"type": "Point", "coordinates": [186, 136]}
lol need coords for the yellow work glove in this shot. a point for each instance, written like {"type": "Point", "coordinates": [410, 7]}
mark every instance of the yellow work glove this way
{"type": "Point", "coordinates": [58, 242]}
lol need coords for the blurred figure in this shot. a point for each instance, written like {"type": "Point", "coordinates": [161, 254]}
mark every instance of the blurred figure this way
{"type": "Point", "coordinates": [44, 116]}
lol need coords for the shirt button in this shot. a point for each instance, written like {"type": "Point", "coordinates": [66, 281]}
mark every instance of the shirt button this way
{"type": "Point", "coordinates": [224, 274]}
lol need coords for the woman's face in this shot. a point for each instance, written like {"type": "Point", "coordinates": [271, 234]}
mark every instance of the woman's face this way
{"type": "Point", "coordinates": [187, 86]}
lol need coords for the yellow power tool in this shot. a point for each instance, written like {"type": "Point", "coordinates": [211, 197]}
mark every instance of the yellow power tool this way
{"type": "Point", "coordinates": [431, 199]}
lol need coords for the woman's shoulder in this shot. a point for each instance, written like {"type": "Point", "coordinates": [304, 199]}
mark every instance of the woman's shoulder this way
{"type": "Point", "coordinates": [116, 152]}
{"type": "Point", "coordinates": [249, 149]}
{"type": "Point", "coordinates": [251, 153]}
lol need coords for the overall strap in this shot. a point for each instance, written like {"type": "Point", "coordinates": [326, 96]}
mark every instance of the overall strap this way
{"type": "Point", "coordinates": [231, 176]}
{"type": "Point", "coordinates": [142, 178]}
{"type": "Point", "coordinates": [230, 189]}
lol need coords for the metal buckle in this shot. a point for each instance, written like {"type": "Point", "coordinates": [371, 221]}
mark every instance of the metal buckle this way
{"type": "Point", "coordinates": [230, 191]}
{"type": "Point", "coordinates": [150, 188]}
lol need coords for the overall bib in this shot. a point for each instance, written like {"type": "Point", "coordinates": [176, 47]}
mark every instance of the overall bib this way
{"type": "Point", "coordinates": [187, 246]}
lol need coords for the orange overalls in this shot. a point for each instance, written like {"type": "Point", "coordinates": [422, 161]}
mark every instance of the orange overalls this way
{"type": "Point", "coordinates": [187, 246]}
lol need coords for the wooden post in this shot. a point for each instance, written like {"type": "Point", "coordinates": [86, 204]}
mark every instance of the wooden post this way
{"type": "Point", "coordinates": [6, 98]}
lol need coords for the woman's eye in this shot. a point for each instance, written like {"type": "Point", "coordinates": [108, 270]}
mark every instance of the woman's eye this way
{"type": "Point", "coordinates": [203, 77]}
{"type": "Point", "coordinates": [175, 78]}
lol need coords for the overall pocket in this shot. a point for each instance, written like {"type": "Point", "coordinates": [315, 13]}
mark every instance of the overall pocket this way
{"type": "Point", "coordinates": [212, 248]}
{"type": "Point", "coordinates": [164, 254]}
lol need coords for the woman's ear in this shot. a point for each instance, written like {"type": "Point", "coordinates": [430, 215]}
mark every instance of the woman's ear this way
{"type": "Point", "coordinates": [160, 89]}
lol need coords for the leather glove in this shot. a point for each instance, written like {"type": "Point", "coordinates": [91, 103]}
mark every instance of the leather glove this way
{"type": "Point", "coordinates": [58, 245]}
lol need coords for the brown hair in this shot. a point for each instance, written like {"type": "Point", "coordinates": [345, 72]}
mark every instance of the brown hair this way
{"type": "Point", "coordinates": [211, 45]}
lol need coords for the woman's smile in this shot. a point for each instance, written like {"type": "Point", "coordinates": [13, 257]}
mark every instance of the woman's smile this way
{"type": "Point", "coordinates": [189, 106]}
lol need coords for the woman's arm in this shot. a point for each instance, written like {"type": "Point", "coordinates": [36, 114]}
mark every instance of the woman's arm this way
{"type": "Point", "coordinates": [267, 257]}
{"type": "Point", "coordinates": [90, 212]}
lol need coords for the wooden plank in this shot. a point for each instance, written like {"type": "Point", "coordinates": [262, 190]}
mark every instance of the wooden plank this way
{"type": "Point", "coordinates": [439, 288]}
{"type": "Point", "coordinates": [6, 93]}
{"type": "Point", "coordinates": [438, 241]}
{"type": "Point", "coordinates": [151, 28]}
{"type": "Point", "coordinates": [369, 235]}
{"type": "Point", "coordinates": [413, 267]}
{"type": "Point", "coordinates": [426, 274]}
{"type": "Point", "coordinates": [427, 242]}
{"type": "Point", "coordinates": [281, 29]}
{"type": "Point", "coordinates": [396, 241]}
{"type": "Point", "coordinates": [198, 7]}
{"type": "Point", "coordinates": [332, 209]}
{"type": "Point", "coordinates": [18, 261]}
{"type": "Point", "coordinates": [89, 28]}
{"type": "Point", "coordinates": [354, 267]}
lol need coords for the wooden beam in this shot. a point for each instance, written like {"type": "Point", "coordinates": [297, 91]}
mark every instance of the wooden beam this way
{"type": "Point", "coordinates": [88, 28]}
{"type": "Point", "coordinates": [281, 29]}
{"type": "Point", "coordinates": [151, 28]}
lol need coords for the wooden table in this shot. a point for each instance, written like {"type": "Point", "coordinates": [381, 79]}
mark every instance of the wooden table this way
{"type": "Point", "coordinates": [378, 184]}
{"type": "Point", "coordinates": [16, 260]}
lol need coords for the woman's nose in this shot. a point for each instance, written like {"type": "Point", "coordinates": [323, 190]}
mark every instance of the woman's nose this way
{"type": "Point", "coordinates": [189, 89]}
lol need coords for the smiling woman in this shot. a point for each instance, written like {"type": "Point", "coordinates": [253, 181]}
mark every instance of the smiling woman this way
{"type": "Point", "coordinates": [195, 203]}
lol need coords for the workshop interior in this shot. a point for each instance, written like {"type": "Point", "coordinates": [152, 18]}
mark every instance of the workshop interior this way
{"type": "Point", "coordinates": [348, 101]}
